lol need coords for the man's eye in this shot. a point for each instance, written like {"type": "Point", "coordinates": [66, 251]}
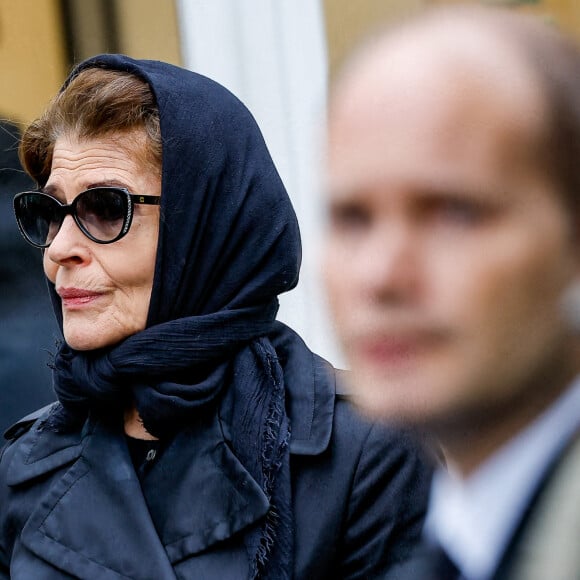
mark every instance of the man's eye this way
{"type": "Point", "coordinates": [459, 211]}
{"type": "Point", "coordinates": [348, 217]}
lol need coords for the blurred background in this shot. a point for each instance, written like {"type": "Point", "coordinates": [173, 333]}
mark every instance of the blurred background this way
{"type": "Point", "coordinates": [278, 56]}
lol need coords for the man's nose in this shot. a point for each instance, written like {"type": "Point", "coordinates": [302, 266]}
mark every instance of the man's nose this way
{"type": "Point", "coordinates": [390, 262]}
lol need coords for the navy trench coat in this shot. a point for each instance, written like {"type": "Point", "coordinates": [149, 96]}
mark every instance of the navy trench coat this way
{"type": "Point", "coordinates": [72, 505]}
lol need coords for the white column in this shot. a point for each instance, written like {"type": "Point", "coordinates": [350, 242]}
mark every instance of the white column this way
{"type": "Point", "coordinates": [272, 55]}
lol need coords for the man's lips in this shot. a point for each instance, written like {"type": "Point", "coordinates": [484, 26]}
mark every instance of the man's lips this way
{"type": "Point", "coordinates": [387, 349]}
{"type": "Point", "coordinates": [395, 348]}
{"type": "Point", "coordinates": [72, 297]}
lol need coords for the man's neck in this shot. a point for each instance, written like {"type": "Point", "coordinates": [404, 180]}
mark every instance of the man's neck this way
{"type": "Point", "coordinates": [474, 517]}
{"type": "Point", "coordinates": [468, 443]}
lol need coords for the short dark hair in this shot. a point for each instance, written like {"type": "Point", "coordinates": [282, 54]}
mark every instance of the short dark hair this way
{"type": "Point", "coordinates": [555, 60]}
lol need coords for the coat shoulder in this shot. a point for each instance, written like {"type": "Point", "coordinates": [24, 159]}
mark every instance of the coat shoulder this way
{"type": "Point", "coordinates": [23, 425]}
{"type": "Point", "coordinates": [371, 485]}
{"type": "Point", "coordinates": [35, 446]}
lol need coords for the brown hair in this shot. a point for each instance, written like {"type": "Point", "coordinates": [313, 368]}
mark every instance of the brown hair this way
{"type": "Point", "coordinates": [95, 103]}
{"type": "Point", "coordinates": [555, 59]}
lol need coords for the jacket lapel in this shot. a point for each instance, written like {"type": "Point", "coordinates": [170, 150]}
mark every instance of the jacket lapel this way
{"type": "Point", "coordinates": [36, 454]}
{"type": "Point", "coordinates": [98, 521]}
{"type": "Point", "coordinates": [199, 494]}
{"type": "Point", "coordinates": [545, 545]}
{"type": "Point", "coordinates": [93, 522]}
{"type": "Point", "coordinates": [310, 385]}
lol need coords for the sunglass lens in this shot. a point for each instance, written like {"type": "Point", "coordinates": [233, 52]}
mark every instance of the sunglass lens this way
{"type": "Point", "coordinates": [39, 217]}
{"type": "Point", "coordinates": [102, 212]}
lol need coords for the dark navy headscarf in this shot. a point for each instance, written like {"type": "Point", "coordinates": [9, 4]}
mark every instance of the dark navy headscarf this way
{"type": "Point", "coordinates": [228, 245]}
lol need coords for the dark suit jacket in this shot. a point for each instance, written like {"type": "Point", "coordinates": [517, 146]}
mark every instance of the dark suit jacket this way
{"type": "Point", "coordinates": [546, 543]}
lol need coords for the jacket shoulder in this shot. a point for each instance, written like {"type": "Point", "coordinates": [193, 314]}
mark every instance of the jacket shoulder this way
{"type": "Point", "coordinates": [23, 425]}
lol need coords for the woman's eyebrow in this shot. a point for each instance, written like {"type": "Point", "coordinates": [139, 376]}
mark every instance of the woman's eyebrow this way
{"type": "Point", "coordinates": [106, 183]}
{"type": "Point", "coordinates": [54, 190]}
{"type": "Point", "coordinates": [50, 190]}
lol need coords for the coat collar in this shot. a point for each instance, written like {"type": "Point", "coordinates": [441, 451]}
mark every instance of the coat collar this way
{"type": "Point", "coordinates": [99, 497]}
{"type": "Point", "coordinates": [35, 452]}
{"type": "Point", "coordinates": [99, 481]}
{"type": "Point", "coordinates": [310, 390]}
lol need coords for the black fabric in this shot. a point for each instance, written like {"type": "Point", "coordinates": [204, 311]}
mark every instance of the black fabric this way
{"type": "Point", "coordinates": [143, 452]}
{"type": "Point", "coordinates": [443, 568]}
{"type": "Point", "coordinates": [228, 245]}
{"type": "Point", "coordinates": [430, 562]}
{"type": "Point", "coordinates": [70, 500]}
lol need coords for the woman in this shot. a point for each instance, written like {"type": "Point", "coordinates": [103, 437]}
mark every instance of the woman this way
{"type": "Point", "coordinates": [195, 436]}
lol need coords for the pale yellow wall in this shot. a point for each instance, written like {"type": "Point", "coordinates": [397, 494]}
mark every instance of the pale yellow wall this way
{"type": "Point", "coordinates": [32, 61]}
{"type": "Point", "coordinates": [349, 20]}
{"type": "Point", "coordinates": [564, 13]}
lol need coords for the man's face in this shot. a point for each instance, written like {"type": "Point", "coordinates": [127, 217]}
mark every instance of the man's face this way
{"type": "Point", "coordinates": [447, 248]}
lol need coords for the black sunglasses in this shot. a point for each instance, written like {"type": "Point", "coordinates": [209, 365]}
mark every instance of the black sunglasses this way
{"type": "Point", "coordinates": [103, 214]}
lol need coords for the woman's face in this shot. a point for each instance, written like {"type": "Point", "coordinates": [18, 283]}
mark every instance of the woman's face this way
{"type": "Point", "coordinates": [105, 289]}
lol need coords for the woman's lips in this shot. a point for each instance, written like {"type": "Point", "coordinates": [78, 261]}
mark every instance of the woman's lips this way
{"type": "Point", "coordinates": [76, 297]}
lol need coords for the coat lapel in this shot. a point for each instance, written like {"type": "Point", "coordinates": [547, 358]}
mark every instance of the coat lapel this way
{"type": "Point", "coordinates": [310, 385]}
{"type": "Point", "coordinates": [545, 546]}
{"type": "Point", "coordinates": [93, 522]}
{"type": "Point", "coordinates": [199, 494]}
{"type": "Point", "coordinates": [98, 521]}
{"type": "Point", "coordinates": [36, 454]}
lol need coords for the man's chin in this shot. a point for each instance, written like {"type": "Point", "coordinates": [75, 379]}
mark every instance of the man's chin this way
{"type": "Point", "coordinates": [406, 401]}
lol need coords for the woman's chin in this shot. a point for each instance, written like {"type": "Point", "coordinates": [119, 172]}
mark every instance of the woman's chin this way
{"type": "Point", "coordinates": [83, 341]}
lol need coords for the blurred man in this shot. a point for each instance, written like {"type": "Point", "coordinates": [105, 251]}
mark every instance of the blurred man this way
{"type": "Point", "coordinates": [452, 266]}
{"type": "Point", "coordinates": [27, 327]}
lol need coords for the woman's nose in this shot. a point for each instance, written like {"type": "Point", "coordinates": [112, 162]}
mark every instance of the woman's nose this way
{"type": "Point", "coordinates": [68, 244]}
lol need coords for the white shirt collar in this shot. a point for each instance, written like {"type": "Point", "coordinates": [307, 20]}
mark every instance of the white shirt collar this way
{"type": "Point", "coordinates": [474, 519]}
